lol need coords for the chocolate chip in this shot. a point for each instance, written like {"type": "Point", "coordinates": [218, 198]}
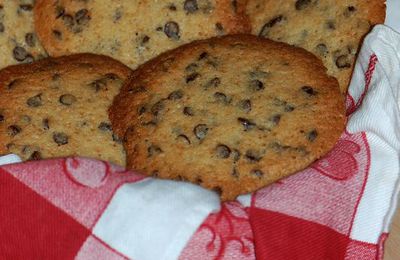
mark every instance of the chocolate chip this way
{"type": "Point", "coordinates": [221, 98]}
{"type": "Point", "coordinates": [247, 124]}
{"type": "Point", "coordinates": [117, 15]}
{"type": "Point", "coordinates": [35, 101]}
{"type": "Point", "coordinates": [234, 5]}
{"type": "Point", "coordinates": [60, 138]}
{"type": "Point", "coordinates": [236, 155]}
{"type": "Point", "coordinates": [203, 55]}
{"type": "Point", "coordinates": [99, 84]}
{"type": "Point", "coordinates": [1, 27]}
{"type": "Point", "coordinates": [257, 173]}
{"type": "Point", "coordinates": [214, 82]}
{"type": "Point", "coordinates": [253, 156]}
{"type": "Point", "coordinates": [183, 138]}
{"type": "Point", "coordinates": [19, 53]}
{"type": "Point", "coordinates": [45, 124]}
{"type": "Point", "coordinates": [116, 139]}
{"type": "Point", "coordinates": [351, 8]}
{"type": "Point", "coordinates": [279, 148]}
{"type": "Point", "coordinates": [309, 91]}
{"type": "Point", "coordinates": [1, 118]}
{"type": "Point", "coordinates": [60, 11]}
{"type": "Point", "coordinates": [141, 110]}
{"type": "Point", "coordinates": [13, 130]}
{"type": "Point", "coordinates": [82, 16]}
{"type": "Point", "coordinates": [256, 85]}
{"type": "Point", "coordinates": [330, 25]}
{"type": "Point", "coordinates": [198, 180]}
{"type": "Point", "coordinates": [172, 7]}
{"type": "Point", "coordinates": [55, 77]}
{"type": "Point", "coordinates": [275, 119]}
{"type": "Point", "coordinates": [256, 74]}
{"type": "Point", "coordinates": [223, 151]}
{"type": "Point", "coordinates": [103, 126]}
{"type": "Point", "coordinates": [155, 173]}
{"type": "Point", "coordinates": [171, 29]}
{"type": "Point", "coordinates": [245, 105]}
{"type": "Point", "coordinates": [322, 50]}
{"type": "Point", "coordinates": [271, 23]}
{"type": "Point", "coordinates": [30, 39]}
{"type": "Point", "coordinates": [190, 6]}
{"type": "Point", "coordinates": [192, 67]}
{"type": "Point", "coordinates": [36, 155]}
{"type": "Point", "coordinates": [145, 39]}
{"type": "Point", "coordinates": [188, 111]}
{"type": "Point", "coordinates": [200, 131]}
{"type": "Point", "coordinates": [302, 4]}
{"type": "Point", "coordinates": [192, 77]}
{"type": "Point", "coordinates": [153, 150]}
{"type": "Point", "coordinates": [312, 135]}
{"type": "Point", "coordinates": [235, 172]}
{"type": "Point", "coordinates": [289, 108]}
{"type": "Point", "coordinates": [68, 20]}
{"type": "Point", "coordinates": [343, 61]}
{"type": "Point", "coordinates": [175, 95]}
{"type": "Point", "coordinates": [67, 99]}
{"type": "Point", "coordinates": [218, 190]}
{"type": "Point", "coordinates": [26, 7]}
{"type": "Point", "coordinates": [57, 34]}
{"type": "Point", "coordinates": [157, 107]}
{"type": "Point", "coordinates": [220, 28]}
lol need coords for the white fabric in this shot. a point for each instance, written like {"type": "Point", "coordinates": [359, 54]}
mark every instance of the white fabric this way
{"type": "Point", "coordinates": [154, 219]}
{"type": "Point", "coordinates": [10, 158]}
{"type": "Point", "coordinates": [380, 117]}
{"type": "Point", "coordinates": [393, 14]}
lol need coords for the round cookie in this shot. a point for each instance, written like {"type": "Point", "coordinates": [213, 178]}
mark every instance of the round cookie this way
{"type": "Point", "coordinates": [57, 107]}
{"type": "Point", "coordinates": [232, 114]}
{"type": "Point", "coordinates": [133, 31]}
{"type": "Point", "coordinates": [332, 30]}
{"type": "Point", "coordinates": [18, 40]}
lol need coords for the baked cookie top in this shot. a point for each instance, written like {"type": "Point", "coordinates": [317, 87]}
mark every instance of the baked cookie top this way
{"type": "Point", "coordinates": [332, 30]}
{"type": "Point", "coordinates": [133, 31]}
{"type": "Point", "coordinates": [232, 114]}
{"type": "Point", "coordinates": [18, 40]}
{"type": "Point", "coordinates": [57, 107]}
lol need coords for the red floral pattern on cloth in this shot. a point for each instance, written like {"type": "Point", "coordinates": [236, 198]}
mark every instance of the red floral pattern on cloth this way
{"type": "Point", "coordinates": [224, 235]}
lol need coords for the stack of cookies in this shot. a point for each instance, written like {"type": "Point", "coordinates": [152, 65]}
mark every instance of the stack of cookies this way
{"type": "Point", "coordinates": [230, 95]}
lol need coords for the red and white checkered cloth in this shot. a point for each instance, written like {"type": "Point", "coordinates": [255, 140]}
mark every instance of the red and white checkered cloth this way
{"type": "Point", "coordinates": [339, 208]}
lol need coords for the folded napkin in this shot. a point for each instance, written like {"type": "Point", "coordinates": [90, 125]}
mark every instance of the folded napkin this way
{"type": "Point", "coordinates": [339, 208]}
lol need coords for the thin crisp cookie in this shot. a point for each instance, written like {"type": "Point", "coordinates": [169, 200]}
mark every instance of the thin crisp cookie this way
{"type": "Point", "coordinates": [18, 40]}
{"type": "Point", "coordinates": [57, 107]}
{"type": "Point", "coordinates": [133, 31]}
{"type": "Point", "coordinates": [231, 114]}
{"type": "Point", "coordinates": [332, 30]}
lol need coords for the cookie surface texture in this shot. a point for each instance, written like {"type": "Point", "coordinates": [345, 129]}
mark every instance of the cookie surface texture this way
{"type": "Point", "coordinates": [133, 31]}
{"type": "Point", "coordinates": [57, 107]}
{"type": "Point", "coordinates": [332, 30]}
{"type": "Point", "coordinates": [232, 114]}
{"type": "Point", "coordinates": [18, 40]}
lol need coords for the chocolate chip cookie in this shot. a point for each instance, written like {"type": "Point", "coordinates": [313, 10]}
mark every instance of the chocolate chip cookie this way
{"type": "Point", "coordinates": [57, 107]}
{"type": "Point", "coordinates": [231, 113]}
{"type": "Point", "coordinates": [133, 31]}
{"type": "Point", "coordinates": [18, 40]}
{"type": "Point", "coordinates": [332, 30]}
